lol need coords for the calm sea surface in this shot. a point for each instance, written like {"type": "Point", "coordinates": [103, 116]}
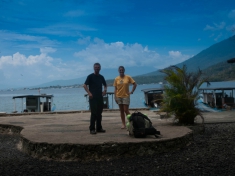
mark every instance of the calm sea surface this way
{"type": "Point", "coordinates": [66, 99]}
{"type": "Point", "coordinates": [73, 98]}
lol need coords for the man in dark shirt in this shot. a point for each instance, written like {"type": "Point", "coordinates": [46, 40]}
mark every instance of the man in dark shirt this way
{"type": "Point", "coordinates": [95, 82]}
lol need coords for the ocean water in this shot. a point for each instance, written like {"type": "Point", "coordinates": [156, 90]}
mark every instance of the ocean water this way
{"type": "Point", "coordinates": [67, 99]}
{"type": "Point", "coordinates": [73, 98]}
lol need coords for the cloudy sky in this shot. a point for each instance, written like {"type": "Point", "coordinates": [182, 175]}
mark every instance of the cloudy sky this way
{"type": "Point", "coordinates": [46, 40]}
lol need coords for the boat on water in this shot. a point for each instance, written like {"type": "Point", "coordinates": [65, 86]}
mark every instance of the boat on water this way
{"type": "Point", "coordinates": [153, 97]}
{"type": "Point", "coordinates": [212, 98]}
{"type": "Point", "coordinates": [35, 103]}
{"type": "Point", "coordinates": [217, 98]}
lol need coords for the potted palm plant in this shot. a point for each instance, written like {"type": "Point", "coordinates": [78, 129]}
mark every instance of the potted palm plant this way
{"type": "Point", "coordinates": [181, 93]}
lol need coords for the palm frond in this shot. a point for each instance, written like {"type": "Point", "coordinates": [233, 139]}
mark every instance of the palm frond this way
{"type": "Point", "coordinates": [181, 92]}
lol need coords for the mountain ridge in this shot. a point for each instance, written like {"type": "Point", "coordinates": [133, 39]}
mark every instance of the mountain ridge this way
{"type": "Point", "coordinates": [216, 53]}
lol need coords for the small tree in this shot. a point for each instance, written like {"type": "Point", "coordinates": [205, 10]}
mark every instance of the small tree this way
{"type": "Point", "coordinates": [181, 93]}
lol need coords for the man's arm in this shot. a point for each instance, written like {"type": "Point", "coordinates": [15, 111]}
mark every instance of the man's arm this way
{"type": "Point", "coordinates": [87, 90]}
{"type": "Point", "coordinates": [105, 87]}
{"type": "Point", "coordinates": [105, 90]}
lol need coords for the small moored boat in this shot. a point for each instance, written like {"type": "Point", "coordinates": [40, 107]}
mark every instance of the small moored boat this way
{"type": "Point", "coordinates": [35, 103]}
{"type": "Point", "coordinates": [218, 97]}
{"type": "Point", "coordinates": [153, 97]}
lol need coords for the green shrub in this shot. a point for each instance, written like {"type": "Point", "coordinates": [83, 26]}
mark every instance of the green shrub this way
{"type": "Point", "coordinates": [181, 92]}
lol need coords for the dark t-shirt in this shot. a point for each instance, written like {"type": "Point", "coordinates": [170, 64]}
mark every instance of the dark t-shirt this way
{"type": "Point", "coordinates": [95, 83]}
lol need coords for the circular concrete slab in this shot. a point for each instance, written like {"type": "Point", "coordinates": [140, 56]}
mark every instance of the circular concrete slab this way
{"type": "Point", "coordinates": [67, 136]}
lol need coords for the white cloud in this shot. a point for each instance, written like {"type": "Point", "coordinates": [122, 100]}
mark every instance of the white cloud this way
{"type": "Point", "coordinates": [21, 60]}
{"type": "Point", "coordinates": [232, 14]}
{"type": "Point", "coordinates": [146, 48]}
{"type": "Point", "coordinates": [231, 28]}
{"type": "Point", "coordinates": [47, 50]}
{"type": "Point", "coordinates": [36, 69]}
{"type": "Point", "coordinates": [215, 26]}
{"type": "Point", "coordinates": [25, 41]}
{"type": "Point", "coordinates": [208, 27]}
{"type": "Point", "coordinates": [75, 13]}
{"type": "Point", "coordinates": [84, 40]}
{"type": "Point", "coordinates": [11, 36]}
{"type": "Point", "coordinates": [178, 57]}
{"type": "Point", "coordinates": [220, 26]}
{"type": "Point", "coordinates": [217, 37]}
{"type": "Point", "coordinates": [212, 35]}
{"type": "Point", "coordinates": [63, 29]}
{"type": "Point", "coordinates": [111, 55]}
{"type": "Point", "coordinates": [175, 54]}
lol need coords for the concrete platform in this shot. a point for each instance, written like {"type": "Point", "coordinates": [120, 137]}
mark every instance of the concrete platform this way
{"type": "Point", "coordinates": [219, 117]}
{"type": "Point", "coordinates": [65, 136]}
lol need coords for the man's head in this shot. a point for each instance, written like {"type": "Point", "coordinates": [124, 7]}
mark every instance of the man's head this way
{"type": "Point", "coordinates": [97, 68]}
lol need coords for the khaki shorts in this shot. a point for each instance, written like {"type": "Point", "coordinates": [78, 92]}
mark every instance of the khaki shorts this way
{"type": "Point", "coordinates": [125, 100]}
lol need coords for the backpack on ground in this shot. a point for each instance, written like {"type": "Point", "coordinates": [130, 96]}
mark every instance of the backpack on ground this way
{"type": "Point", "coordinates": [140, 126]}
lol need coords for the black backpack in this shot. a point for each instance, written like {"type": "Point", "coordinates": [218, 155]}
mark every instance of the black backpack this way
{"type": "Point", "coordinates": [142, 125]}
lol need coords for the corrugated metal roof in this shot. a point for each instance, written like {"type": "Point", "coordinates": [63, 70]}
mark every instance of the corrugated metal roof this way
{"type": "Point", "coordinates": [152, 89]}
{"type": "Point", "coordinates": [41, 96]}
